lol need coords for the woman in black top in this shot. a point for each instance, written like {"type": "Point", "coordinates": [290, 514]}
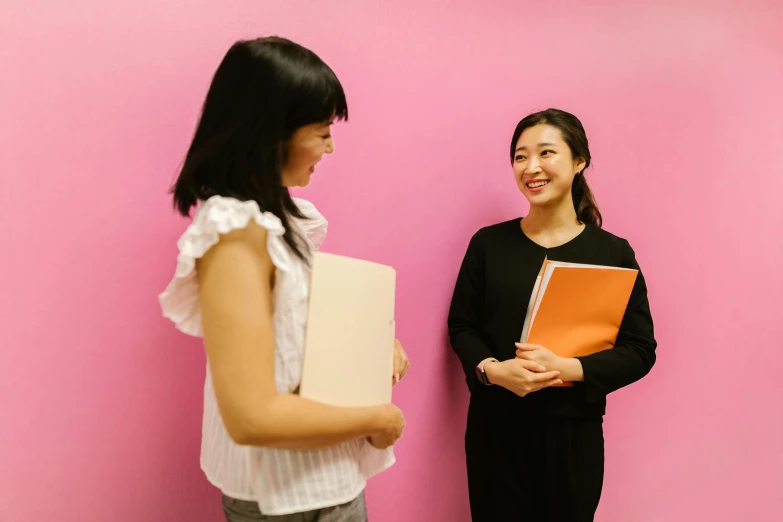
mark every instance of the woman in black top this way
{"type": "Point", "coordinates": [536, 452]}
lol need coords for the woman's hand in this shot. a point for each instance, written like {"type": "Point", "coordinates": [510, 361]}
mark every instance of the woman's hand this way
{"type": "Point", "coordinates": [393, 424]}
{"type": "Point", "coordinates": [401, 363]}
{"type": "Point", "coordinates": [520, 376]}
{"type": "Point", "coordinates": [570, 368]}
{"type": "Point", "coordinates": [540, 355]}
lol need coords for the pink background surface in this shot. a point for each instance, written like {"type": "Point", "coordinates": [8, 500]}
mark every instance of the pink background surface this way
{"type": "Point", "coordinates": [101, 397]}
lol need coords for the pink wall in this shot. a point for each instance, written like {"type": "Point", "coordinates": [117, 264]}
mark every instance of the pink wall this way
{"type": "Point", "coordinates": [100, 410]}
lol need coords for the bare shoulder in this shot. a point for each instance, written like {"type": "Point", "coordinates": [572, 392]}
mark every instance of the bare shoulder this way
{"type": "Point", "coordinates": [245, 245]}
{"type": "Point", "coordinates": [252, 235]}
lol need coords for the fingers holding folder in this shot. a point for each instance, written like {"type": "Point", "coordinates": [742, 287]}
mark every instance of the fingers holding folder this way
{"type": "Point", "coordinates": [401, 363]}
{"type": "Point", "coordinates": [537, 353]}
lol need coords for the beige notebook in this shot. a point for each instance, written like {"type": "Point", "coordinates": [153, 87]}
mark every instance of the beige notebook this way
{"type": "Point", "coordinates": [349, 343]}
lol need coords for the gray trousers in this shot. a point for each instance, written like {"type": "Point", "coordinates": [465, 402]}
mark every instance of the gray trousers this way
{"type": "Point", "coordinates": [247, 511]}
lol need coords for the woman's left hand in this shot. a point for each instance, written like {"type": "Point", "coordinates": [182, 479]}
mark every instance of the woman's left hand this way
{"type": "Point", "coordinates": [539, 354]}
{"type": "Point", "coordinates": [401, 363]}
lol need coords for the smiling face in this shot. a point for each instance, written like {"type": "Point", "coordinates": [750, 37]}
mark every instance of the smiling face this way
{"type": "Point", "coordinates": [306, 148]}
{"type": "Point", "coordinates": [544, 166]}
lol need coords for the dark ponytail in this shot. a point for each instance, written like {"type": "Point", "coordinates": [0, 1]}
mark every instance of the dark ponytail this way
{"type": "Point", "coordinates": [574, 135]}
{"type": "Point", "coordinates": [584, 202]}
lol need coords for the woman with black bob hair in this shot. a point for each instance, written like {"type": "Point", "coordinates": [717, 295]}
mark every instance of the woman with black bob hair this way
{"type": "Point", "coordinates": [241, 284]}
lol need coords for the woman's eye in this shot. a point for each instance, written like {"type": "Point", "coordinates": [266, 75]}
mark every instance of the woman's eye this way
{"type": "Point", "coordinates": [520, 158]}
{"type": "Point", "coordinates": [548, 152]}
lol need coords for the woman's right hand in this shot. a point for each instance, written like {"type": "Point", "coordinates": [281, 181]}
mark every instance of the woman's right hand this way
{"type": "Point", "coordinates": [520, 376]}
{"type": "Point", "coordinates": [393, 423]}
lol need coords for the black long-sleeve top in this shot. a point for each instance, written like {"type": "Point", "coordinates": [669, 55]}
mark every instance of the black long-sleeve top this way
{"type": "Point", "coordinates": [488, 311]}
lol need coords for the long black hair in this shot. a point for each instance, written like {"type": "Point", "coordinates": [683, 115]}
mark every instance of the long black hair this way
{"type": "Point", "coordinates": [262, 92]}
{"type": "Point", "coordinates": [574, 135]}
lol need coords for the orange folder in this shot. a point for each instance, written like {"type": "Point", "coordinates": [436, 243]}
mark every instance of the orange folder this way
{"type": "Point", "coordinates": [576, 309]}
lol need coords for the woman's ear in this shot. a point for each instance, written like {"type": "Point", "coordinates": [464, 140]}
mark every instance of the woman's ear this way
{"type": "Point", "coordinates": [579, 165]}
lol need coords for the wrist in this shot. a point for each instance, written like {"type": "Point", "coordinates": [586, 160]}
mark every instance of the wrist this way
{"type": "Point", "coordinates": [481, 375]}
{"type": "Point", "coordinates": [493, 370]}
{"type": "Point", "coordinates": [570, 369]}
{"type": "Point", "coordinates": [383, 419]}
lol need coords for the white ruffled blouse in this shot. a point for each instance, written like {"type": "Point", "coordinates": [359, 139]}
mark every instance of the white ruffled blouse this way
{"type": "Point", "coordinates": [281, 481]}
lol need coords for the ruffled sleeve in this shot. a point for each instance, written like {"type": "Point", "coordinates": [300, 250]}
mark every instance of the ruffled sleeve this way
{"type": "Point", "coordinates": [218, 215]}
{"type": "Point", "coordinates": [314, 226]}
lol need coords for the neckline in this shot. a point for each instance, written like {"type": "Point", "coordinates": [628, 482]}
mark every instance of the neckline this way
{"type": "Point", "coordinates": [522, 232]}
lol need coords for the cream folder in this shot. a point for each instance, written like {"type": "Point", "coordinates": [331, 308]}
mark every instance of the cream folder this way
{"type": "Point", "coordinates": [349, 340]}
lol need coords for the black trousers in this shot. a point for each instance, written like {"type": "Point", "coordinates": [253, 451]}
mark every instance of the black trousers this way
{"type": "Point", "coordinates": [536, 469]}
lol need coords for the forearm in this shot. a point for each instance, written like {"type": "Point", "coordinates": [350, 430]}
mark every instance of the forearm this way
{"type": "Point", "coordinates": [292, 422]}
{"type": "Point", "coordinates": [465, 312]}
{"type": "Point", "coordinates": [610, 370]}
{"type": "Point", "coordinates": [471, 352]}
{"type": "Point", "coordinates": [470, 349]}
